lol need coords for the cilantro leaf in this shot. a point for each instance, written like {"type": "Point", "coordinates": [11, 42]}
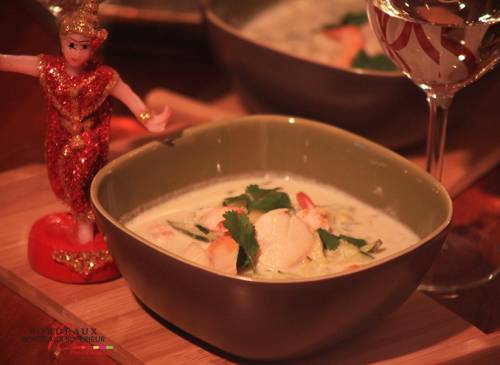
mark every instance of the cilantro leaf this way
{"type": "Point", "coordinates": [267, 199]}
{"type": "Point", "coordinates": [241, 199]}
{"type": "Point", "coordinates": [256, 198]}
{"type": "Point", "coordinates": [270, 201]}
{"type": "Point", "coordinates": [356, 19]}
{"type": "Point", "coordinates": [255, 192]}
{"type": "Point", "coordinates": [330, 241]}
{"type": "Point", "coordinates": [379, 62]}
{"type": "Point", "coordinates": [243, 232]}
{"type": "Point", "coordinates": [358, 242]}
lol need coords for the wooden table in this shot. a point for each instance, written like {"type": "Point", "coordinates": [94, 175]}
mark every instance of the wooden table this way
{"type": "Point", "coordinates": [421, 331]}
{"type": "Point", "coordinates": [472, 320]}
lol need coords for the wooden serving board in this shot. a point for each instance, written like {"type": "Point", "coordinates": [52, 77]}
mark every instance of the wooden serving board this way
{"type": "Point", "coordinates": [420, 331]}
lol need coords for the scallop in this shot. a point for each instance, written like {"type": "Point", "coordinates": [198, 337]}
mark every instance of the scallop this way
{"type": "Point", "coordinates": [284, 240]}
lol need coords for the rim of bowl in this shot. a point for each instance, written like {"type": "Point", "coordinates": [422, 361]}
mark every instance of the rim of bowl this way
{"type": "Point", "coordinates": [218, 21]}
{"type": "Point", "coordinates": [274, 118]}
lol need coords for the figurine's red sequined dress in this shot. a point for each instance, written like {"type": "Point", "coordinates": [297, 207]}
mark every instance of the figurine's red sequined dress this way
{"type": "Point", "coordinates": [78, 128]}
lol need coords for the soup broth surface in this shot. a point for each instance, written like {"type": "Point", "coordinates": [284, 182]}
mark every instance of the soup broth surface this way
{"type": "Point", "coordinates": [289, 241]}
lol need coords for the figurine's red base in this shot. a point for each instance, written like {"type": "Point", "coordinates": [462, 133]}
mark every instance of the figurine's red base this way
{"type": "Point", "coordinates": [55, 232]}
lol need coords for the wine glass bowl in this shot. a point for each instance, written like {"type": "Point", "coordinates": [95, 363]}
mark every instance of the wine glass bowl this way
{"type": "Point", "coordinates": [437, 44]}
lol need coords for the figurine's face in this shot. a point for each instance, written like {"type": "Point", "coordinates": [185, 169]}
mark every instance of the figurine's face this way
{"type": "Point", "coordinates": [76, 49]}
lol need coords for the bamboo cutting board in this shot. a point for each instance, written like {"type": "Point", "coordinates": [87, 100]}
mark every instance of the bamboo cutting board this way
{"type": "Point", "coordinates": [420, 331]}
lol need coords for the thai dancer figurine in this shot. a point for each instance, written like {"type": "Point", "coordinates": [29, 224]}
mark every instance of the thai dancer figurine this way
{"type": "Point", "coordinates": [79, 111]}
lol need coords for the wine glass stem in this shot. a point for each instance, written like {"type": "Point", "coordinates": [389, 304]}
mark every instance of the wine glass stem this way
{"type": "Point", "coordinates": [436, 135]}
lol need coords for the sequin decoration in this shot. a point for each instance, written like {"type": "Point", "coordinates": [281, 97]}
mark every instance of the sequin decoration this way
{"type": "Point", "coordinates": [77, 140]}
{"type": "Point", "coordinates": [83, 262]}
{"type": "Point", "coordinates": [83, 20]}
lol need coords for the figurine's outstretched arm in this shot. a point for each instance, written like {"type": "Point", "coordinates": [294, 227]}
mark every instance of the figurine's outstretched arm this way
{"type": "Point", "coordinates": [153, 123]}
{"type": "Point", "coordinates": [27, 65]}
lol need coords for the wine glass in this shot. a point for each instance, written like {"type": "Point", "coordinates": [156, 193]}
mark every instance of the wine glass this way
{"type": "Point", "coordinates": [442, 46]}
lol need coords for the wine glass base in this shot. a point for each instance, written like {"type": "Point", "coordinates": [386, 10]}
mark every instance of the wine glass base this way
{"type": "Point", "coordinates": [462, 264]}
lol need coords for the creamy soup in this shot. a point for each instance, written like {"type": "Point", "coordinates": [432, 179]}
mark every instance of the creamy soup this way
{"type": "Point", "coordinates": [332, 32]}
{"type": "Point", "coordinates": [271, 227]}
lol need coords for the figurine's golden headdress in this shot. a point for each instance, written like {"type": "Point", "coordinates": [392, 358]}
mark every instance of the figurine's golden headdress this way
{"type": "Point", "coordinates": [84, 20]}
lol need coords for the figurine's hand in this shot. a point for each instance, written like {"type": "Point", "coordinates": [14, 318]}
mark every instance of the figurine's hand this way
{"type": "Point", "coordinates": [158, 122]}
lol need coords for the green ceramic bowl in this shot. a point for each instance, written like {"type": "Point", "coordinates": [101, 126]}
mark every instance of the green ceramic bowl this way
{"type": "Point", "coordinates": [270, 319]}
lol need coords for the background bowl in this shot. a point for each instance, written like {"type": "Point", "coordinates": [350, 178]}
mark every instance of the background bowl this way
{"type": "Point", "coordinates": [384, 106]}
{"type": "Point", "coordinates": [270, 319]}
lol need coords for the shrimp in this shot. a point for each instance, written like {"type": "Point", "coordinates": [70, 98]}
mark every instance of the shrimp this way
{"type": "Point", "coordinates": [160, 232]}
{"type": "Point", "coordinates": [310, 214]}
{"type": "Point", "coordinates": [213, 218]}
{"type": "Point", "coordinates": [223, 253]}
{"type": "Point", "coordinates": [352, 41]}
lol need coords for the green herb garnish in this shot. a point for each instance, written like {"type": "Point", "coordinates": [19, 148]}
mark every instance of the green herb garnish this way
{"type": "Point", "coordinates": [243, 232]}
{"type": "Point", "coordinates": [330, 241]}
{"type": "Point", "coordinates": [379, 62]}
{"type": "Point", "coordinates": [270, 201]}
{"type": "Point", "coordinates": [356, 19]}
{"type": "Point", "coordinates": [264, 200]}
{"type": "Point", "coordinates": [255, 192]}
{"type": "Point", "coordinates": [371, 248]}
{"type": "Point", "coordinates": [202, 229]}
{"type": "Point", "coordinates": [237, 200]}
{"type": "Point", "coordinates": [358, 242]}
{"type": "Point", "coordinates": [192, 231]}
{"type": "Point", "coordinates": [267, 199]}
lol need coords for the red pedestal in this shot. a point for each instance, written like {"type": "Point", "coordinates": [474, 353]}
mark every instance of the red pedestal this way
{"type": "Point", "coordinates": [54, 252]}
